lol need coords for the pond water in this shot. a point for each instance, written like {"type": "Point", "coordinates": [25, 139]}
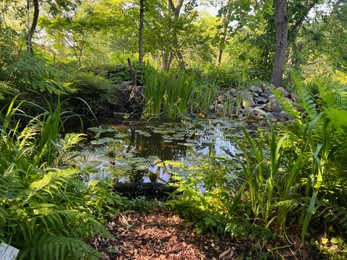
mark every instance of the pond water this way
{"type": "Point", "coordinates": [152, 152]}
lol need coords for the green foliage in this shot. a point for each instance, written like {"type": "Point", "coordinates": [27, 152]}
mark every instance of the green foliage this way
{"type": "Point", "coordinates": [28, 73]}
{"type": "Point", "coordinates": [208, 197]}
{"type": "Point", "coordinates": [290, 175]}
{"type": "Point", "coordinates": [203, 95]}
{"type": "Point", "coordinates": [154, 92]}
{"type": "Point", "coordinates": [227, 76]}
{"type": "Point", "coordinates": [167, 94]}
{"type": "Point", "coordinates": [178, 90]}
{"type": "Point", "coordinates": [93, 89]}
{"type": "Point", "coordinates": [46, 212]}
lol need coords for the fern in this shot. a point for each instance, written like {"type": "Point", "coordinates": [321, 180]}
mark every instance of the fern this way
{"type": "Point", "coordinates": [287, 106]}
{"type": "Point", "coordinates": [46, 246]}
{"type": "Point", "coordinates": [5, 89]}
{"type": "Point", "coordinates": [50, 183]}
{"type": "Point", "coordinates": [333, 213]}
{"type": "Point", "coordinates": [306, 100]}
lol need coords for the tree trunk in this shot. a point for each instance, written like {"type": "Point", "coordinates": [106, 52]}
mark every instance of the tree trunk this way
{"type": "Point", "coordinates": [165, 61]}
{"type": "Point", "coordinates": [281, 42]}
{"type": "Point", "coordinates": [220, 54]}
{"type": "Point", "coordinates": [142, 12]}
{"type": "Point", "coordinates": [33, 24]}
{"type": "Point", "coordinates": [176, 49]}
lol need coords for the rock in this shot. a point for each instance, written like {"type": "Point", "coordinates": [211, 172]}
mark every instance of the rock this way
{"type": "Point", "coordinates": [293, 96]}
{"type": "Point", "coordinates": [275, 105]}
{"type": "Point", "coordinates": [261, 100]}
{"type": "Point", "coordinates": [256, 89]}
{"type": "Point", "coordinates": [284, 91]}
{"type": "Point", "coordinates": [289, 100]}
{"type": "Point", "coordinates": [267, 92]}
{"type": "Point", "coordinates": [247, 99]}
{"type": "Point", "coordinates": [233, 91]}
{"type": "Point", "coordinates": [281, 116]}
{"type": "Point", "coordinates": [220, 98]}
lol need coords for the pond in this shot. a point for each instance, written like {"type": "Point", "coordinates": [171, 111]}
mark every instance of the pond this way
{"type": "Point", "coordinates": [132, 152]}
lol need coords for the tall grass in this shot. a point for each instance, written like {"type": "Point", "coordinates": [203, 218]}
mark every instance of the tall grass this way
{"type": "Point", "coordinates": [179, 87]}
{"type": "Point", "coordinates": [154, 92]}
{"type": "Point", "coordinates": [203, 95]}
{"type": "Point", "coordinates": [167, 95]}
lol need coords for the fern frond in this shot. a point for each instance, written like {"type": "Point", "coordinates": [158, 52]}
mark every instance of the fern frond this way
{"type": "Point", "coordinates": [72, 223]}
{"type": "Point", "coordinates": [287, 106]}
{"type": "Point", "coordinates": [334, 214]}
{"type": "Point", "coordinates": [46, 246]}
{"type": "Point", "coordinates": [50, 182]}
{"type": "Point", "coordinates": [287, 204]}
{"type": "Point", "coordinates": [306, 100]}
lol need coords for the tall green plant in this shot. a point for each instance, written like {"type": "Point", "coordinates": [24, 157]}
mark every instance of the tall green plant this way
{"type": "Point", "coordinates": [179, 87]}
{"type": "Point", "coordinates": [154, 92]}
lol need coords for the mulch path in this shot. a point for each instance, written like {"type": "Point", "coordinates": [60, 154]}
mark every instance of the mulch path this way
{"type": "Point", "coordinates": [158, 235]}
{"type": "Point", "coordinates": [162, 234]}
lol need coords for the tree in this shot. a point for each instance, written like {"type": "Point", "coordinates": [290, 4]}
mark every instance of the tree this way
{"type": "Point", "coordinates": [142, 11]}
{"type": "Point", "coordinates": [54, 9]}
{"type": "Point", "coordinates": [281, 18]}
{"type": "Point", "coordinates": [32, 29]}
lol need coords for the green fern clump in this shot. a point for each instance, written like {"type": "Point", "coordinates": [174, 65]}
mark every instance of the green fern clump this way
{"type": "Point", "coordinates": [43, 210]}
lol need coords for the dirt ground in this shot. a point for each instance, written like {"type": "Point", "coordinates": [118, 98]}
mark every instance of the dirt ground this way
{"type": "Point", "coordinates": [158, 235]}
{"type": "Point", "coordinates": [164, 235]}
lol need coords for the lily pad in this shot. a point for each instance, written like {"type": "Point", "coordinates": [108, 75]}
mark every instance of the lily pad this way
{"type": "Point", "coordinates": [143, 133]}
{"type": "Point", "coordinates": [120, 135]}
{"type": "Point", "coordinates": [100, 130]}
{"type": "Point", "coordinates": [178, 164]}
{"type": "Point", "coordinates": [104, 140]}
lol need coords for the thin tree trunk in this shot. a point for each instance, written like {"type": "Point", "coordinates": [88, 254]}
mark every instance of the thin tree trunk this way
{"type": "Point", "coordinates": [142, 12]}
{"type": "Point", "coordinates": [33, 24]}
{"type": "Point", "coordinates": [220, 54]}
{"type": "Point", "coordinates": [177, 52]}
{"type": "Point", "coordinates": [164, 67]}
{"type": "Point", "coordinates": [281, 42]}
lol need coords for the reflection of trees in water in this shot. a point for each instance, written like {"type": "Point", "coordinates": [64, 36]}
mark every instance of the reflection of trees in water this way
{"type": "Point", "coordinates": [206, 141]}
{"type": "Point", "coordinates": [155, 145]}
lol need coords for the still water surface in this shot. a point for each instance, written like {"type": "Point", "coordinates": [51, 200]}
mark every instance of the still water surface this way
{"type": "Point", "coordinates": [129, 152]}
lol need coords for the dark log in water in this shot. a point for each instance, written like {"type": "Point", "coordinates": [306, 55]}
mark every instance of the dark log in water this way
{"type": "Point", "coordinates": [144, 189]}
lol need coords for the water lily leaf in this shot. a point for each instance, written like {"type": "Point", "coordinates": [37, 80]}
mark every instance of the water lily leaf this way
{"type": "Point", "coordinates": [177, 164]}
{"type": "Point", "coordinates": [104, 140]}
{"type": "Point", "coordinates": [163, 131]}
{"type": "Point", "coordinates": [141, 167]}
{"type": "Point", "coordinates": [152, 158]}
{"type": "Point", "coordinates": [186, 144]}
{"type": "Point", "coordinates": [167, 137]}
{"type": "Point", "coordinates": [120, 135]}
{"type": "Point", "coordinates": [143, 133]}
{"type": "Point", "coordinates": [100, 130]}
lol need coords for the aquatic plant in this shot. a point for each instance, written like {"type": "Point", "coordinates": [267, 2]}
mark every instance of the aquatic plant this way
{"type": "Point", "coordinates": [154, 92]}
{"type": "Point", "coordinates": [167, 95]}
{"type": "Point", "coordinates": [177, 95]}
